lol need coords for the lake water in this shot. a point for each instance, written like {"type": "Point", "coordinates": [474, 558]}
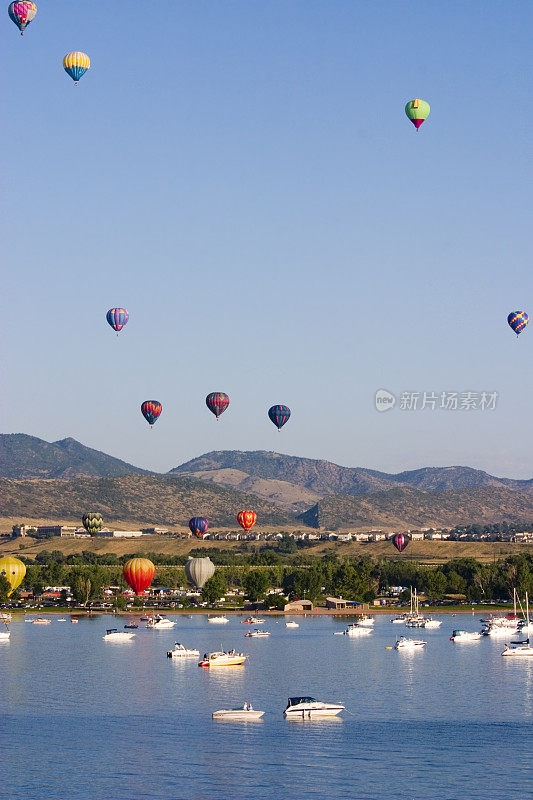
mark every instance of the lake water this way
{"type": "Point", "coordinates": [84, 718]}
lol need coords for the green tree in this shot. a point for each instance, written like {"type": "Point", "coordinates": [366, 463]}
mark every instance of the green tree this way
{"type": "Point", "coordinates": [87, 584]}
{"type": "Point", "coordinates": [5, 588]}
{"type": "Point", "coordinates": [119, 602]}
{"type": "Point", "coordinates": [256, 583]}
{"type": "Point", "coordinates": [214, 588]}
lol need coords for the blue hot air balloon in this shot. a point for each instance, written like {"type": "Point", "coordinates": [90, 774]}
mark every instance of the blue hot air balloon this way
{"type": "Point", "coordinates": [279, 415]}
{"type": "Point", "coordinates": [117, 318]}
{"type": "Point", "coordinates": [198, 526]}
{"type": "Point", "coordinates": [518, 321]}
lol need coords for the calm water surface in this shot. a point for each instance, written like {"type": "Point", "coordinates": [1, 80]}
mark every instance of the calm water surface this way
{"type": "Point", "coordinates": [83, 718]}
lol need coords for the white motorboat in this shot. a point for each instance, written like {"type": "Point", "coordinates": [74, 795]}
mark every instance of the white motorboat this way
{"type": "Point", "coordinates": [255, 633]}
{"type": "Point", "coordinates": [179, 651]}
{"type": "Point", "coordinates": [238, 714]}
{"type": "Point", "coordinates": [113, 635]}
{"type": "Point", "coordinates": [218, 620]}
{"type": "Point", "coordinates": [520, 649]}
{"type": "Point", "coordinates": [61, 619]}
{"type": "Point", "coordinates": [40, 621]}
{"type": "Point", "coordinates": [429, 622]}
{"type": "Point", "coordinates": [399, 620]}
{"type": "Point", "coordinates": [6, 617]}
{"type": "Point", "coordinates": [365, 621]}
{"type": "Point", "coordinates": [403, 643]}
{"type": "Point", "coordinates": [309, 708]}
{"type": "Point", "coordinates": [252, 621]}
{"type": "Point", "coordinates": [357, 630]}
{"type": "Point", "coordinates": [160, 623]}
{"type": "Point", "coordinates": [495, 630]}
{"type": "Point", "coordinates": [222, 659]}
{"type": "Point", "coordinates": [291, 624]}
{"type": "Point", "coordinates": [465, 636]}
{"type": "Point", "coordinates": [4, 635]}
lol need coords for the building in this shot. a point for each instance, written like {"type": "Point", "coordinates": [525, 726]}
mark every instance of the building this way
{"type": "Point", "coordinates": [335, 602]}
{"type": "Point", "coordinates": [120, 534]}
{"type": "Point", "coordinates": [298, 606]}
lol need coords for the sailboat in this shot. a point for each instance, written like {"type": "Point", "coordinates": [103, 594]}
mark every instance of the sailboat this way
{"type": "Point", "coordinates": [520, 649]}
{"type": "Point", "coordinates": [414, 620]}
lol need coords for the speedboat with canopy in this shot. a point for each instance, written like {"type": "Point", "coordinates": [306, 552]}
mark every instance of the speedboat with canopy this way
{"type": "Point", "coordinates": [309, 707]}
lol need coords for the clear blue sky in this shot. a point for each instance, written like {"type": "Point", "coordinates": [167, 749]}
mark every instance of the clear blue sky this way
{"type": "Point", "coordinates": [242, 177]}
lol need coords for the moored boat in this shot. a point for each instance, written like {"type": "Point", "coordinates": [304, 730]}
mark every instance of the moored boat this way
{"type": "Point", "coordinates": [357, 630]}
{"type": "Point", "coordinates": [113, 635]}
{"type": "Point", "coordinates": [309, 708]}
{"type": "Point", "coordinates": [159, 623]}
{"type": "Point", "coordinates": [291, 624]}
{"type": "Point", "coordinates": [255, 633]}
{"type": "Point", "coordinates": [222, 659]}
{"type": "Point", "coordinates": [40, 621]}
{"type": "Point", "coordinates": [403, 643]}
{"type": "Point", "coordinates": [247, 712]}
{"type": "Point", "coordinates": [179, 651]}
{"type": "Point", "coordinates": [465, 636]}
{"type": "Point", "coordinates": [218, 620]}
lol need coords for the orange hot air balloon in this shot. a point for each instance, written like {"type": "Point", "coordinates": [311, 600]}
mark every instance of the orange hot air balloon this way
{"type": "Point", "coordinates": [247, 519]}
{"type": "Point", "coordinates": [138, 573]}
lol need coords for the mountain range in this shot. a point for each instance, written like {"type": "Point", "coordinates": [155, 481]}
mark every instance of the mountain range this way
{"type": "Point", "coordinates": [51, 478]}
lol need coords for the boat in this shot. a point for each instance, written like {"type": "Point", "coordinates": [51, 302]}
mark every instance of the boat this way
{"type": "Point", "coordinates": [520, 649]}
{"type": "Point", "coordinates": [254, 633]}
{"type": "Point", "coordinates": [403, 643]}
{"type": "Point", "coordinates": [218, 620]}
{"type": "Point", "coordinates": [357, 630]}
{"type": "Point", "coordinates": [4, 635]}
{"type": "Point", "coordinates": [145, 619]}
{"type": "Point", "coordinates": [465, 636]}
{"type": "Point", "coordinates": [113, 635]}
{"type": "Point", "coordinates": [179, 651]}
{"type": "Point", "coordinates": [74, 620]}
{"type": "Point", "coordinates": [291, 624]}
{"type": "Point", "coordinates": [495, 630]}
{"type": "Point", "coordinates": [309, 708]}
{"type": "Point", "coordinates": [61, 619]}
{"type": "Point", "coordinates": [244, 713]}
{"type": "Point", "coordinates": [222, 659]}
{"type": "Point", "coordinates": [131, 625]}
{"type": "Point", "coordinates": [365, 621]}
{"type": "Point", "coordinates": [40, 621]}
{"type": "Point", "coordinates": [429, 622]}
{"type": "Point", "coordinates": [5, 617]}
{"type": "Point", "coordinates": [159, 623]}
{"type": "Point", "coordinates": [252, 621]}
{"type": "Point", "coordinates": [400, 620]}
{"type": "Point", "coordinates": [414, 619]}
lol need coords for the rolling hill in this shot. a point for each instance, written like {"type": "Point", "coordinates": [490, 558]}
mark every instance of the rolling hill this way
{"type": "Point", "coordinates": [23, 456]}
{"type": "Point", "coordinates": [133, 499]}
{"type": "Point", "coordinates": [404, 507]}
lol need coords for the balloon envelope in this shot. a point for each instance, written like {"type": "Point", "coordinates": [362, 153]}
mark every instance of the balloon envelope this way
{"type": "Point", "coordinates": [217, 402]}
{"type": "Point", "coordinates": [400, 541]}
{"type": "Point", "coordinates": [518, 321]}
{"type": "Point", "coordinates": [198, 526]}
{"type": "Point", "coordinates": [417, 111]}
{"type": "Point", "coordinates": [247, 519]}
{"type": "Point", "coordinates": [151, 409]}
{"type": "Point", "coordinates": [117, 318]}
{"type": "Point", "coordinates": [92, 522]}
{"type": "Point", "coordinates": [76, 64]}
{"type": "Point", "coordinates": [13, 570]}
{"type": "Point", "coordinates": [199, 570]}
{"type": "Point", "coordinates": [279, 415]}
{"type": "Point", "coordinates": [22, 12]}
{"type": "Point", "coordinates": [138, 574]}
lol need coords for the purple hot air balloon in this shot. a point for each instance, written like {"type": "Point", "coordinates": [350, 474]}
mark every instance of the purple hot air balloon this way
{"type": "Point", "coordinates": [117, 318]}
{"type": "Point", "coordinates": [198, 526]}
{"type": "Point", "coordinates": [400, 541]}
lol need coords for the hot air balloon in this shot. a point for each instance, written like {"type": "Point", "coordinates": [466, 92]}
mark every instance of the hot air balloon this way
{"type": "Point", "coordinates": [117, 318]}
{"type": "Point", "coordinates": [13, 570]}
{"type": "Point", "coordinates": [518, 321]}
{"type": "Point", "coordinates": [279, 415]}
{"type": "Point", "coordinates": [198, 526]}
{"type": "Point", "coordinates": [138, 574]}
{"type": "Point", "coordinates": [400, 541]}
{"type": "Point", "coordinates": [199, 570]}
{"type": "Point", "coordinates": [76, 65]}
{"type": "Point", "coordinates": [247, 519]}
{"type": "Point", "coordinates": [217, 402]}
{"type": "Point", "coordinates": [417, 111]}
{"type": "Point", "coordinates": [92, 522]}
{"type": "Point", "coordinates": [151, 409]}
{"type": "Point", "coordinates": [22, 12]}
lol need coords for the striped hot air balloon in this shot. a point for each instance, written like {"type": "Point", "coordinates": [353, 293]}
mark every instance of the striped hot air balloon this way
{"type": "Point", "coordinates": [22, 12]}
{"type": "Point", "coordinates": [279, 415]}
{"type": "Point", "coordinates": [117, 318]}
{"type": "Point", "coordinates": [138, 574]}
{"type": "Point", "coordinates": [417, 111]}
{"type": "Point", "coordinates": [400, 541]}
{"type": "Point", "coordinates": [76, 65]}
{"type": "Point", "coordinates": [518, 321]}
{"type": "Point", "coordinates": [92, 522]}
{"type": "Point", "coordinates": [13, 569]}
{"type": "Point", "coordinates": [217, 403]}
{"type": "Point", "coordinates": [247, 519]}
{"type": "Point", "coordinates": [151, 409]}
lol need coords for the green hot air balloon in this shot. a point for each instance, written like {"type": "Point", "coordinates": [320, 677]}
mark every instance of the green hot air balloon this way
{"type": "Point", "coordinates": [92, 522]}
{"type": "Point", "coordinates": [417, 111]}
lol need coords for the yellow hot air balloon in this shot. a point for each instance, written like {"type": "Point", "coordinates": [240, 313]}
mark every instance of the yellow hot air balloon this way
{"type": "Point", "coordinates": [14, 570]}
{"type": "Point", "coordinates": [76, 64]}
